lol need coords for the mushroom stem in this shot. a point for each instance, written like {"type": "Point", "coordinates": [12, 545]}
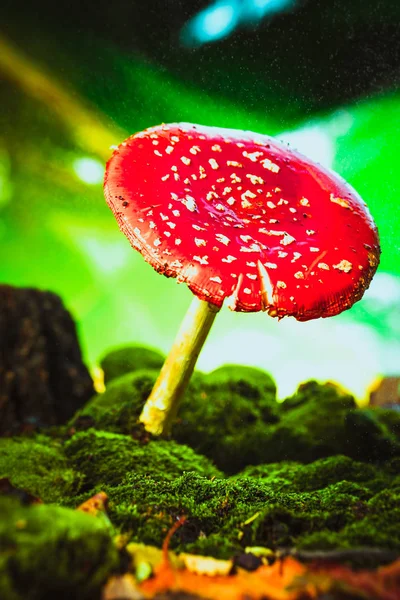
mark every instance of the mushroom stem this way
{"type": "Point", "coordinates": [162, 405]}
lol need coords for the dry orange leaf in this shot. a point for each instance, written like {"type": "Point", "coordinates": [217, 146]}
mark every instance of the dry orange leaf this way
{"type": "Point", "coordinates": [286, 579]}
{"type": "Point", "coordinates": [272, 582]}
{"type": "Point", "coordinates": [95, 504]}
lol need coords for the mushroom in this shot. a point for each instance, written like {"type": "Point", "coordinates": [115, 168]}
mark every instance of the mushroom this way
{"type": "Point", "coordinates": [239, 218]}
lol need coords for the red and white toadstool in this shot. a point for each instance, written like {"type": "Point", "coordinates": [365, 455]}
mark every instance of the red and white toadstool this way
{"type": "Point", "coordinates": [239, 218]}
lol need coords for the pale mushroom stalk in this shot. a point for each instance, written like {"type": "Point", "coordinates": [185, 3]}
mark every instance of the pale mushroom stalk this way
{"type": "Point", "coordinates": [162, 404]}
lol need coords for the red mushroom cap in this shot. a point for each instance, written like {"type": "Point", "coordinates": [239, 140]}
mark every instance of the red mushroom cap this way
{"type": "Point", "coordinates": [238, 215]}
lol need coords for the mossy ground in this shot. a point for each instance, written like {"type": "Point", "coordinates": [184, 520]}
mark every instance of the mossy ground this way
{"type": "Point", "coordinates": [315, 472]}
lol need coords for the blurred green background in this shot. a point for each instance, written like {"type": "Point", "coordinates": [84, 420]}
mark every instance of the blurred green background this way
{"type": "Point", "coordinates": [76, 79]}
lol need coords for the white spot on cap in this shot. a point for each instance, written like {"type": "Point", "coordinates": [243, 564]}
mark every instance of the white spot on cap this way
{"type": "Point", "coordinates": [203, 260]}
{"type": "Point", "coordinates": [211, 195]}
{"type": "Point", "coordinates": [169, 149]}
{"type": "Point", "coordinates": [310, 231]}
{"type": "Point", "coordinates": [228, 259]}
{"type": "Point", "coordinates": [164, 217]}
{"type": "Point", "coordinates": [226, 190]}
{"type": "Point", "coordinates": [231, 201]}
{"type": "Point", "coordinates": [234, 163]}
{"type": "Point", "coordinates": [152, 225]}
{"type": "Point", "coordinates": [299, 275]}
{"type": "Point", "coordinates": [248, 194]}
{"type": "Point", "coordinates": [176, 263]}
{"type": "Point", "coordinates": [222, 238]}
{"type": "Point", "coordinates": [216, 279]}
{"type": "Point", "coordinates": [235, 178]}
{"type": "Point", "coordinates": [296, 256]}
{"type": "Point", "coordinates": [157, 153]}
{"type": "Point", "coordinates": [165, 177]}
{"type": "Point", "coordinates": [170, 224]}
{"type": "Point", "coordinates": [177, 242]}
{"type": "Point", "coordinates": [343, 265]}
{"type": "Point", "coordinates": [190, 203]}
{"type": "Point", "coordinates": [246, 290]}
{"type": "Point", "coordinates": [281, 284]}
{"type": "Point", "coordinates": [176, 213]}
{"type": "Point", "coordinates": [270, 204]}
{"type": "Point", "coordinates": [304, 202]}
{"type": "Point", "coordinates": [199, 242]}
{"type": "Point", "coordinates": [185, 160]}
{"type": "Point", "coordinates": [323, 265]}
{"type": "Point", "coordinates": [253, 156]}
{"type": "Point", "coordinates": [312, 249]}
{"type": "Point", "coordinates": [270, 265]}
{"type": "Point", "coordinates": [255, 179]}
{"type": "Point", "coordinates": [216, 148]}
{"type": "Point", "coordinates": [282, 254]}
{"type": "Point", "coordinates": [245, 238]}
{"type": "Point", "coordinates": [194, 150]}
{"type": "Point", "coordinates": [252, 248]}
{"type": "Point", "coordinates": [340, 201]}
{"type": "Point", "coordinates": [268, 164]}
{"type": "Point", "coordinates": [213, 163]}
{"type": "Point", "coordinates": [287, 239]}
{"type": "Point", "coordinates": [251, 276]}
{"type": "Point", "coordinates": [157, 242]}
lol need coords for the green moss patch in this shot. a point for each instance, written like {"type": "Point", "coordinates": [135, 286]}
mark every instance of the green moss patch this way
{"type": "Point", "coordinates": [108, 458]}
{"type": "Point", "coordinates": [38, 465]}
{"type": "Point", "coordinates": [314, 472]}
{"type": "Point", "coordinates": [50, 552]}
{"type": "Point", "coordinates": [127, 359]}
{"type": "Point", "coordinates": [232, 417]}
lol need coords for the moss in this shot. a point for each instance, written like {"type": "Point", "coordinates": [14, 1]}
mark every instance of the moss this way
{"type": "Point", "coordinates": [290, 505]}
{"type": "Point", "coordinates": [377, 527]}
{"type": "Point", "coordinates": [108, 458]}
{"type": "Point", "coordinates": [126, 359]}
{"type": "Point", "coordinates": [370, 438]}
{"type": "Point", "coordinates": [119, 407]}
{"type": "Point", "coordinates": [296, 477]}
{"type": "Point", "coordinates": [232, 417]}
{"type": "Point", "coordinates": [38, 466]}
{"type": "Point", "coordinates": [224, 414]}
{"type": "Point", "coordinates": [221, 416]}
{"type": "Point", "coordinates": [301, 479]}
{"type": "Point", "coordinates": [70, 559]}
{"type": "Point", "coordinates": [390, 418]}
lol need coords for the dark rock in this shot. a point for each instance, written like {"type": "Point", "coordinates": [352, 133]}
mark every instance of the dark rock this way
{"type": "Point", "coordinates": [247, 561]}
{"type": "Point", "coordinates": [43, 380]}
